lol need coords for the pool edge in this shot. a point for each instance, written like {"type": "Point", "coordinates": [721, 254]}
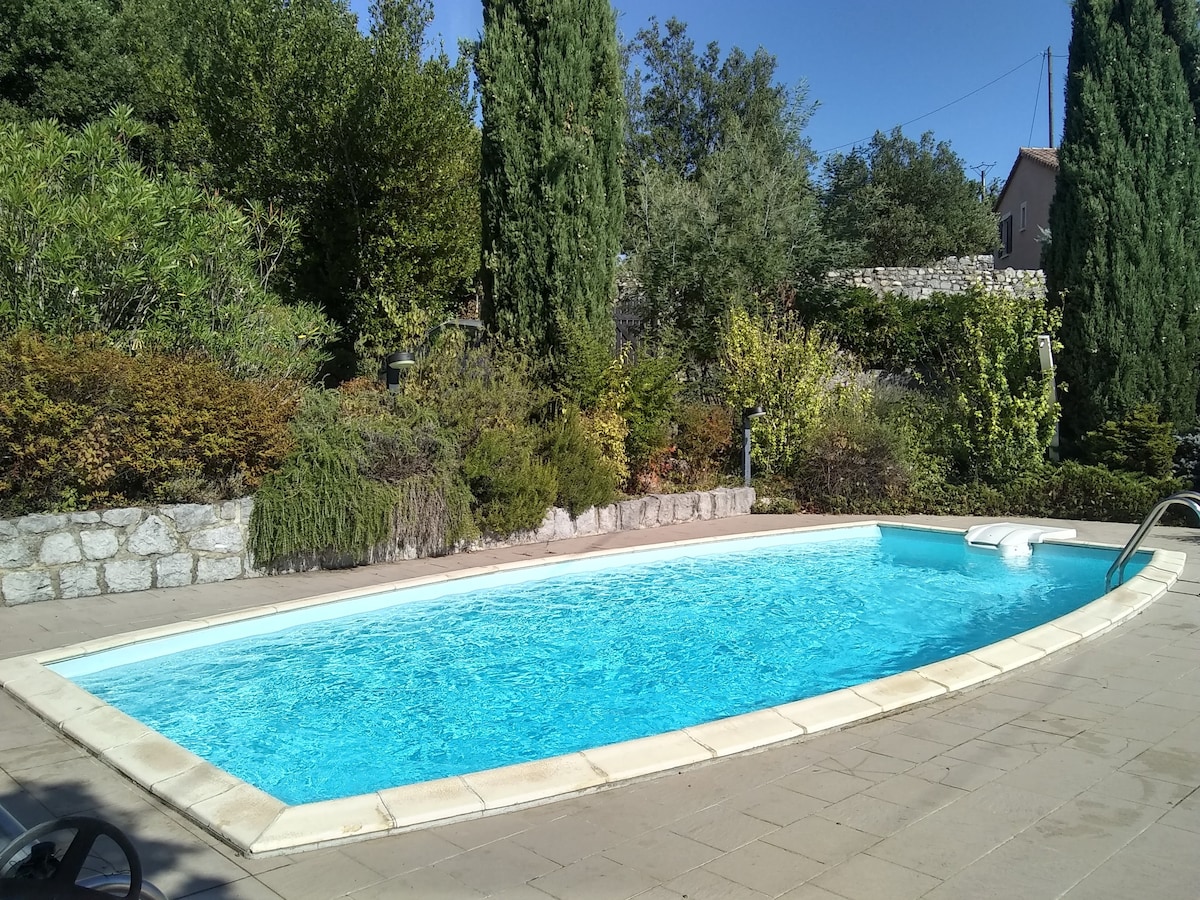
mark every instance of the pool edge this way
{"type": "Point", "coordinates": [258, 825]}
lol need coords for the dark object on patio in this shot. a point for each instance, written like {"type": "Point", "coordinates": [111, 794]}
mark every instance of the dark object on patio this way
{"type": "Point", "coordinates": [60, 860]}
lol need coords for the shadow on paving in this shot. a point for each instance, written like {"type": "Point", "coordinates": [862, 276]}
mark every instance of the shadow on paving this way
{"type": "Point", "coordinates": [172, 856]}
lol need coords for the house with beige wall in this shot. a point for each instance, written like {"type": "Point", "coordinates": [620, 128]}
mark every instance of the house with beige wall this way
{"type": "Point", "coordinates": [1023, 208]}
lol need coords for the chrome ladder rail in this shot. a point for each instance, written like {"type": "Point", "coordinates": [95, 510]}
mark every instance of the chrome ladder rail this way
{"type": "Point", "coordinates": [1188, 499]}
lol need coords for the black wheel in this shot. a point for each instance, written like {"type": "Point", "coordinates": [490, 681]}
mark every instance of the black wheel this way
{"type": "Point", "coordinates": [46, 873]}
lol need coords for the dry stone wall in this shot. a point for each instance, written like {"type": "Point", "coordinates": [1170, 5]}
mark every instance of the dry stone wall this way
{"type": "Point", "coordinates": [953, 275]}
{"type": "Point", "coordinates": [70, 555]}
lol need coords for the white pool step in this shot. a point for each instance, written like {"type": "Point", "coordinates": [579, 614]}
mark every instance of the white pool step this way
{"type": "Point", "coordinates": [1012, 539]}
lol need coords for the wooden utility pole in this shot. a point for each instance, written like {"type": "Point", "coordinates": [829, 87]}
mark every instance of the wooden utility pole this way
{"type": "Point", "coordinates": [1050, 94]}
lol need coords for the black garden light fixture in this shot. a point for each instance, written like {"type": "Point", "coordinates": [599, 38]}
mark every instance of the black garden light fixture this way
{"type": "Point", "coordinates": [748, 415]}
{"type": "Point", "coordinates": [395, 363]}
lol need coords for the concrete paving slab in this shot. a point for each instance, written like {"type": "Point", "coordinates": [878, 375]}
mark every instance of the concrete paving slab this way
{"type": "Point", "coordinates": [1126, 699]}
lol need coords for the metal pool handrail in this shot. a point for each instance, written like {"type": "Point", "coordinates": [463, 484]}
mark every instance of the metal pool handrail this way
{"type": "Point", "coordinates": [1189, 499]}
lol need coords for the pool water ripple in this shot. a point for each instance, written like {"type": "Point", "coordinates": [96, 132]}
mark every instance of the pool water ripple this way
{"type": "Point", "coordinates": [482, 678]}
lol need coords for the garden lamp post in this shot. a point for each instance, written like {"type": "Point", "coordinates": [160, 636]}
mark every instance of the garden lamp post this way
{"type": "Point", "coordinates": [748, 414]}
{"type": "Point", "coordinates": [1046, 362]}
{"type": "Point", "coordinates": [395, 363]}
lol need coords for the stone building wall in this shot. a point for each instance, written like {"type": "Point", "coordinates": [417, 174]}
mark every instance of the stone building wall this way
{"type": "Point", "coordinates": [70, 555]}
{"type": "Point", "coordinates": [953, 275]}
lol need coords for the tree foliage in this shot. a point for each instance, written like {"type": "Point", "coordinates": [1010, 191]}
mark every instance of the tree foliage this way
{"type": "Point", "coordinates": [1126, 215]}
{"type": "Point", "coordinates": [684, 106]}
{"type": "Point", "coordinates": [899, 202]}
{"type": "Point", "coordinates": [92, 242]}
{"type": "Point", "coordinates": [721, 205]}
{"type": "Point", "coordinates": [370, 146]}
{"type": "Point", "coordinates": [552, 198]}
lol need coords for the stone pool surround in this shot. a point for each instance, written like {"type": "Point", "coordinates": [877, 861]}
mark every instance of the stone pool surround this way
{"type": "Point", "coordinates": [257, 824]}
{"type": "Point", "coordinates": [63, 556]}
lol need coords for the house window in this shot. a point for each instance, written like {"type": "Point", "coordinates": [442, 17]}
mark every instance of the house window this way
{"type": "Point", "coordinates": [1024, 217]}
{"type": "Point", "coordinates": [1006, 236]}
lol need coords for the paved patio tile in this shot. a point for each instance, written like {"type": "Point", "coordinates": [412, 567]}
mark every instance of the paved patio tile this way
{"type": "Point", "coordinates": [870, 814]}
{"type": "Point", "coordinates": [420, 884]}
{"type": "Point", "coordinates": [987, 753]}
{"type": "Point", "coordinates": [495, 866]}
{"type": "Point", "coordinates": [1054, 723]}
{"type": "Point", "coordinates": [862, 763]}
{"type": "Point", "coordinates": [809, 891]}
{"type": "Point", "coordinates": [1018, 869]}
{"type": "Point", "coordinates": [662, 854]}
{"type": "Point", "coordinates": [955, 773]}
{"type": "Point", "coordinates": [243, 889]}
{"type": "Point", "coordinates": [1108, 746]}
{"type": "Point", "coordinates": [1158, 864]}
{"type": "Point", "coordinates": [1026, 689]}
{"type": "Point", "coordinates": [993, 789]}
{"type": "Point", "coordinates": [942, 732]}
{"type": "Point", "coordinates": [764, 867]}
{"type": "Point", "coordinates": [320, 876]}
{"type": "Point", "coordinates": [477, 832]}
{"type": "Point", "coordinates": [941, 847]}
{"type": "Point", "coordinates": [916, 793]}
{"type": "Point", "coordinates": [568, 839]}
{"type": "Point", "coordinates": [1168, 765]}
{"type": "Point", "coordinates": [996, 803]}
{"type": "Point", "coordinates": [1060, 772]}
{"type": "Point", "coordinates": [824, 784]}
{"type": "Point", "coordinates": [866, 877]}
{"type": "Point", "coordinates": [1092, 827]}
{"type": "Point", "coordinates": [710, 886]}
{"type": "Point", "coordinates": [822, 840]}
{"type": "Point", "coordinates": [905, 747]}
{"type": "Point", "coordinates": [595, 878]}
{"type": "Point", "coordinates": [1024, 738]}
{"type": "Point", "coordinates": [775, 804]}
{"type": "Point", "coordinates": [402, 853]}
{"type": "Point", "coordinates": [722, 828]}
{"type": "Point", "coordinates": [1140, 789]}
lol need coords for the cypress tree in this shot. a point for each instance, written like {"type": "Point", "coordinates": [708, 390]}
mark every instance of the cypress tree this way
{"type": "Point", "coordinates": [551, 190]}
{"type": "Point", "coordinates": [1125, 219]}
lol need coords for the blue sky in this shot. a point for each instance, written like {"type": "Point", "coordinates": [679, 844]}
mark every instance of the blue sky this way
{"type": "Point", "coordinates": [874, 64]}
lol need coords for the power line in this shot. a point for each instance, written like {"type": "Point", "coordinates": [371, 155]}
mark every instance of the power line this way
{"type": "Point", "coordinates": [943, 106]}
{"type": "Point", "coordinates": [1037, 95]}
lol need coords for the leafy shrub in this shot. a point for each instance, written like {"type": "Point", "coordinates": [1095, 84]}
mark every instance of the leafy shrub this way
{"type": "Point", "coordinates": [775, 506]}
{"type": "Point", "coordinates": [894, 333]}
{"type": "Point", "coordinates": [703, 440]}
{"type": "Point", "coordinates": [83, 425]}
{"type": "Point", "coordinates": [584, 477]}
{"type": "Point", "coordinates": [1076, 491]}
{"type": "Point", "coordinates": [93, 243]}
{"type": "Point", "coordinates": [512, 488]}
{"type": "Point", "coordinates": [792, 372]}
{"type": "Point", "coordinates": [1138, 443]}
{"type": "Point", "coordinates": [649, 409]}
{"type": "Point", "coordinates": [1001, 418]}
{"type": "Point", "coordinates": [319, 501]}
{"type": "Point", "coordinates": [857, 458]}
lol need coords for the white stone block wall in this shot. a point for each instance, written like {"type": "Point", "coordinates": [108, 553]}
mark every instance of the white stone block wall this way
{"type": "Point", "coordinates": [70, 555]}
{"type": "Point", "coordinates": [954, 275]}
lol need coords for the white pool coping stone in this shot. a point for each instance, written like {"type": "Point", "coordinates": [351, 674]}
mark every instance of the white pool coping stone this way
{"type": "Point", "coordinates": [257, 824]}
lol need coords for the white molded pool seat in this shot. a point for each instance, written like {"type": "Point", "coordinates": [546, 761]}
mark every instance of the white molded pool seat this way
{"type": "Point", "coordinates": [1012, 539]}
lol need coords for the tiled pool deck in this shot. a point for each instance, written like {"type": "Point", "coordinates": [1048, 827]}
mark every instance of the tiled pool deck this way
{"type": "Point", "coordinates": [1075, 776]}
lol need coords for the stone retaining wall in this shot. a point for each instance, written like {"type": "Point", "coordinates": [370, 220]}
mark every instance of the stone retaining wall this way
{"type": "Point", "coordinates": [953, 275]}
{"type": "Point", "coordinates": [69, 555]}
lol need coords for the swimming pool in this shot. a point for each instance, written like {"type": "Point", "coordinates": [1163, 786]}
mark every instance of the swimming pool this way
{"type": "Point", "coordinates": [587, 716]}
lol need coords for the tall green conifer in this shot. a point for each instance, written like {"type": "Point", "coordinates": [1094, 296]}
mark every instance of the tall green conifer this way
{"type": "Point", "coordinates": [1125, 220]}
{"type": "Point", "coordinates": [552, 201]}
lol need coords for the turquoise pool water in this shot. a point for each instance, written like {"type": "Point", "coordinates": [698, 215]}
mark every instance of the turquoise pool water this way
{"type": "Point", "coordinates": [423, 683]}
